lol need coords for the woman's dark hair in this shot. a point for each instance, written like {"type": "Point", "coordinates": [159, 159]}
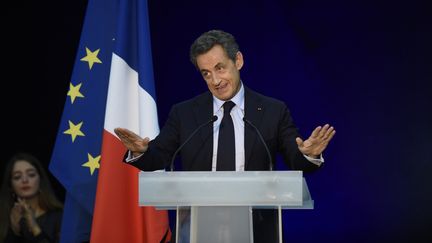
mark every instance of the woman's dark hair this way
{"type": "Point", "coordinates": [211, 38]}
{"type": "Point", "coordinates": [46, 196]}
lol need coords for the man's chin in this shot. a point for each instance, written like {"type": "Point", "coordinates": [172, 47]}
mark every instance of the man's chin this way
{"type": "Point", "coordinates": [223, 95]}
{"type": "Point", "coordinates": [224, 98]}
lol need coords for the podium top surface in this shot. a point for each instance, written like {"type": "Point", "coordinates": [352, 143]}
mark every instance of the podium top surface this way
{"type": "Point", "coordinates": [223, 188]}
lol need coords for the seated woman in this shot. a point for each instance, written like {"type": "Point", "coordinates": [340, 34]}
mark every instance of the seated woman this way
{"type": "Point", "coordinates": [29, 210]}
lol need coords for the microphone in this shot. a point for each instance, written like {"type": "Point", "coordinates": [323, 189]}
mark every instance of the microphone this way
{"type": "Point", "coordinates": [262, 140]}
{"type": "Point", "coordinates": [213, 119]}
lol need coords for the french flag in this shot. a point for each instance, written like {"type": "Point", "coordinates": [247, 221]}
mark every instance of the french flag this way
{"type": "Point", "coordinates": [130, 104]}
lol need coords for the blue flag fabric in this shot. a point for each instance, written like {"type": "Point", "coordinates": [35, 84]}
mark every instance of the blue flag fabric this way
{"type": "Point", "coordinates": [76, 155]}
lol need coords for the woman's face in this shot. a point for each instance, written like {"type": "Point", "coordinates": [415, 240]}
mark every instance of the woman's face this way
{"type": "Point", "coordinates": [25, 180]}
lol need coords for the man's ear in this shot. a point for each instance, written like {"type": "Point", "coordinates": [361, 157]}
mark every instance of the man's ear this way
{"type": "Point", "coordinates": [239, 60]}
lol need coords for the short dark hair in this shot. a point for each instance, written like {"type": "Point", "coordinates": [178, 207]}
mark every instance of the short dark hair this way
{"type": "Point", "coordinates": [209, 39]}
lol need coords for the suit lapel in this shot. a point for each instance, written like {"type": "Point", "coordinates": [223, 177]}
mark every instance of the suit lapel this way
{"type": "Point", "coordinates": [203, 111]}
{"type": "Point", "coordinates": [254, 111]}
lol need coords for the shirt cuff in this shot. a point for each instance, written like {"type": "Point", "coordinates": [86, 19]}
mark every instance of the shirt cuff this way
{"type": "Point", "coordinates": [318, 161]}
{"type": "Point", "coordinates": [131, 159]}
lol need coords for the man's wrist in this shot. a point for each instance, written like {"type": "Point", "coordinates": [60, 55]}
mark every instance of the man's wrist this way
{"type": "Point", "coordinates": [133, 156]}
{"type": "Point", "coordinates": [313, 156]}
{"type": "Point", "coordinates": [317, 161]}
{"type": "Point", "coordinates": [136, 154]}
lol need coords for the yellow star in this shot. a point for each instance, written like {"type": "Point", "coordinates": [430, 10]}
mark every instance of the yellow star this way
{"type": "Point", "coordinates": [74, 130]}
{"type": "Point", "coordinates": [74, 91]}
{"type": "Point", "coordinates": [92, 163]}
{"type": "Point", "coordinates": [91, 57]}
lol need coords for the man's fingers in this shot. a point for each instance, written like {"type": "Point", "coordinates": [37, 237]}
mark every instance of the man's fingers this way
{"type": "Point", "coordinates": [323, 130]}
{"type": "Point", "coordinates": [327, 139]}
{"type": "Point", "coordinates": [333, 132]}
{"type": "Point", "coordinates": [120, 132]}
{"type": "Point", "coordinates": [117, 131]}
{"type": "Point", "coordinates": [315, 132]}
{"type": "Point", "coordinates": [299, 141]}
{"type": "Point", "coordinates": [125, 134]}
{"type": "Point", "coordinates": [328, 132]}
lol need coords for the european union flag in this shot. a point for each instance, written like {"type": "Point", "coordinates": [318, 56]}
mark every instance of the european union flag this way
{"type": "Point", "coordinates": [77, 152]}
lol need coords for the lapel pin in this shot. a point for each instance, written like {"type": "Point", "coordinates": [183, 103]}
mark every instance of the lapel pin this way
{"type": "Point", "coordinates": [259, 108]}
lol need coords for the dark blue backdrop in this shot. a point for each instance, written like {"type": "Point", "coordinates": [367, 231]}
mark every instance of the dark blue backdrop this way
{"type": "Point", "coordinates": [362, 66]}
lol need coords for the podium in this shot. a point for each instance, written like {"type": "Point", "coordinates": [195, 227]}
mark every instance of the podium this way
{"type": "Point", "coordinates": [217, 206]}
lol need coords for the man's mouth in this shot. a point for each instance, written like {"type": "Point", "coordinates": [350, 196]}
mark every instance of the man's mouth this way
{"type": "Point", "coordinates": [222, 87]}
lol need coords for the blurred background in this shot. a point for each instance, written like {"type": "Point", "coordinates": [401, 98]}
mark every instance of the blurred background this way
{"type": "Point", "coordinates": [365, 67]}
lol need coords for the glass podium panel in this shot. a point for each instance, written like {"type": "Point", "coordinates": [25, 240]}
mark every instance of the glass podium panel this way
{"type": "Point", "coordinates": [222, 224]}
{"type": "Point", "coordinates": [222, 188]}
{"type": "Point", "coordinates": [215, 207]}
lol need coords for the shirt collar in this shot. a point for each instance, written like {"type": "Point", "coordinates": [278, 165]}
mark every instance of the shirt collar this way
{"type": "Point", "coordinates": [238, 99]}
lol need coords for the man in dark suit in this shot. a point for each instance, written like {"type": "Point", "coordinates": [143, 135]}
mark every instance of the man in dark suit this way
{"type": "Point", "coordinates": [217, 57]}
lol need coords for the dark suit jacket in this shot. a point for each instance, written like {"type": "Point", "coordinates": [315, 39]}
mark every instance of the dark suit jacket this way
{"type": "Point", "coordinates": [269, 115]}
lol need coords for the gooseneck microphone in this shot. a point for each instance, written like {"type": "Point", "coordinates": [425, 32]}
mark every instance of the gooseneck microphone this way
{"type": "Point", "coordinates": [213, 119]}
{"type": "Point", "coordinates": [262, 140]}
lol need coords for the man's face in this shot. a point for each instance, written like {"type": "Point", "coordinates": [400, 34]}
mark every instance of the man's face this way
{"type": "Point", "coordinates": [221, 74]}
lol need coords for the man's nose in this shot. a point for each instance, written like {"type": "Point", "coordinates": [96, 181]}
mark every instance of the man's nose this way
{"type": "Point", "coordinates": [215, 79]}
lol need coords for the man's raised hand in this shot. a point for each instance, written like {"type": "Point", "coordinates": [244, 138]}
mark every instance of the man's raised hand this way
{"type": "Point", "coordinates": [132, 141]}
{"type": "Point", "coordinates": [317, 142]}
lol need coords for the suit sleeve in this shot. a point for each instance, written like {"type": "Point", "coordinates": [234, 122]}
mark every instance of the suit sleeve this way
{"type": "Point", "coordinates": [287, 146]}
